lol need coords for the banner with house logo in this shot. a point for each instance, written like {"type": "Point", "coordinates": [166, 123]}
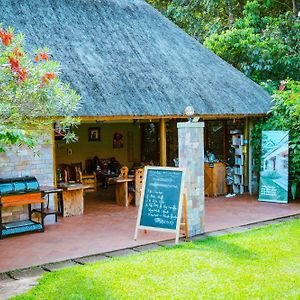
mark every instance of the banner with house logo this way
{"type": "Point", "coordinates": [274, 167]}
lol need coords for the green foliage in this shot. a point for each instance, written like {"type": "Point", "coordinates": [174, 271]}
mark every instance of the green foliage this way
{"type": "Point", "coordinates": [31, 93]}
{"type": "Point", "coordinates": [262, 47]}
{"type": "Point", "coordinates": [197, 20]}
{"type": "Point", "coordinates": [258, 264]}
{"type": "Point", "coordinates": [285, 115]}
{"type": "Point", "coordinates": [261, 38]}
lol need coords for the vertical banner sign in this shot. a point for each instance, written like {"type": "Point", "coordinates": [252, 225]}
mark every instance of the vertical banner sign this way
{"type": "Point", "coordinates": [274, 167]}
{"type": "Point", "coordinates": [161, 200]}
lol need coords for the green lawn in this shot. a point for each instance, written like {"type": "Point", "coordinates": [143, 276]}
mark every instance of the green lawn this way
{"type": "Point", "coordinates": [259, 264]}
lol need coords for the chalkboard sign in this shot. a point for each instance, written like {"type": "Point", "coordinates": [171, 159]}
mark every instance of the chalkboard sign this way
{"type": "Point", "coordinates": [161, 200]}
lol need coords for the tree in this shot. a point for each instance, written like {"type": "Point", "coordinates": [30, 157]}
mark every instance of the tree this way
{"type": "Point", "coordinates": [261, 46]}
{"type": "Point", "coordinates": [261, 38]}
{"type": "Point", "coordinates": [31, 94]}
{"type": "Point", "coordinates": [285, 115]}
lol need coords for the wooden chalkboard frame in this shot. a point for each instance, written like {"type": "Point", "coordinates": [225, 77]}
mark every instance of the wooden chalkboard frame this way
{"type": "Point", "coordinates": [179, 213]}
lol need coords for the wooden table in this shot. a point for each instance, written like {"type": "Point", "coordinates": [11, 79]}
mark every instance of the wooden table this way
{"type": "Point", "coordinates": [46, 191]}
{"type": "Point", "coordinates": [72, 198]}
{"type": "Point", "coordinates": [105, 177]}
{"type": "Point", "coordinates": [122, 190]}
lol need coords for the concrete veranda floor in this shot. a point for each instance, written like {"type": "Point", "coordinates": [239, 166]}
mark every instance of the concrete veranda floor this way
{"type": "Point", "coordinates": [106, 227]}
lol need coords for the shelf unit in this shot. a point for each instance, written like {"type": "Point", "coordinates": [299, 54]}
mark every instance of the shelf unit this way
{"type": "Point", "coordinates": [238, 169]}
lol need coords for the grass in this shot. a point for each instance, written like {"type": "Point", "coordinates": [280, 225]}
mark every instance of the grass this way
{"type": "Point", "coordinates": [262, 263]}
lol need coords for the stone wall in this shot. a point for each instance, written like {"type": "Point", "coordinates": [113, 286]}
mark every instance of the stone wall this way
{"type": "Point", "coordinates": [17, 162]}
{"type": "Point", "coordinates": [191, 157]}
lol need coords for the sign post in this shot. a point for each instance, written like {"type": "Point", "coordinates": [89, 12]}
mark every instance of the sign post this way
{"type": "Point", "coordinates": [274, 167]}
{"type": "Point", "coordinates": [161, 200]}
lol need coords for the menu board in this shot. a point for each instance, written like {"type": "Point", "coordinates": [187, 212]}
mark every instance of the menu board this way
{"type": "Point", "coordinates": [161, 199]}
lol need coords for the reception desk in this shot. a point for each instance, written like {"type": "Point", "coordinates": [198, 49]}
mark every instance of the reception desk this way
{"type": "Point", "coordinates": [215, 179]}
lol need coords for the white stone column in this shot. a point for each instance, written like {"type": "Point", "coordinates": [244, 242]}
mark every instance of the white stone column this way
{"type": "Point", "coordinates": [191, 157]}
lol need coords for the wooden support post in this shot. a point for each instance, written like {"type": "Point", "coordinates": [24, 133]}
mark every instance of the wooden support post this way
{"type": "Point", "coordinates": [246, 150]}
{"type": "Point", "coordinates": [250, 162]}
{"type": "Point", "coordinates": [225, 141]}
{"type": "Point", "coordinates": [186, 228]}
{"type": "Point", "coordinates": [54, 170]}
{"type": "Point", "coordinates": [163, 143]}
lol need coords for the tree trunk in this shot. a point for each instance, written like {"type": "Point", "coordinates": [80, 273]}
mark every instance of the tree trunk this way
{"type": "Point", "coordinates": [230, 14]}
{"type": "Point", "coordinates": [241, 7]}
{"type": "Point", "coordinates": [295, 7]}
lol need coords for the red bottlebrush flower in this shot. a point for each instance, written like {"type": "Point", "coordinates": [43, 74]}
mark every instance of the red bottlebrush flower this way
{"type": "Point", "coordinates": [14, 63]}
{"type": "Point", "coordinates": [44, 79]}
{"type": "Point", "coordinates": [6, 38]}
{"type": "Point", "coordinates": [47, 77]}
{"type": "Point", "coordinates": [17, 53]}
{"type": "Point", "coordinates": [15, 67]}
{"type": "Point", "coordinates": [50, 75]}
{"type": "Point", "coordinates": [44, 56]}
{"type": "Point", "coordinates": [23, 73]}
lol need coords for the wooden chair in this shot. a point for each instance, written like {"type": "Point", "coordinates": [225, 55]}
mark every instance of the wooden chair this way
{"type": "Point", "coordinates": [75, 168]}
{"type": "Point", "coordinates": [70, 172]}
{"type": "Point", "coordinates": [139, 174]}
{"type": "Point", "coordinates": [122, 188]}
{"type": "Point", "coordinates": [90, 180]}
{"type": "Point", "coordinates": [124, 172]}
{"type": "Point", "coordinates": [65, 172]}
{"type": "Point", "coordinates": [65, 175]}
{"type": "Point", "coordinates": [73, 172]}
{"type": "Point", "coordinates": [89, 166]}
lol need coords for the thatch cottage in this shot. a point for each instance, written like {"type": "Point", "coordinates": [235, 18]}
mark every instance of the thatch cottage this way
{"type": "Point", "coordinates": [136, 73]}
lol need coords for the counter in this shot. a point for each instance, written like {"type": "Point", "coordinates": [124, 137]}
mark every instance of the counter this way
{"type": "Point", "coordinates": [215, 179]}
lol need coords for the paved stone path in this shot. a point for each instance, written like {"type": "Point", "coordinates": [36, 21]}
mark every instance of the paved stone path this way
{"type": "Point", "coordinates": [20, 281]}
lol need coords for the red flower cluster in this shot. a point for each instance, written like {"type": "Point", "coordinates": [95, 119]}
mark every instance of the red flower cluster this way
{"type": "Point", "coordinates": [17, 52]}
{"type": "Point", "coordinates": [42, 56]}
{"type": "Point", "coordinates": [6, 37]}
{"type": "Point", "coordinates": [14, 63]}
{"type": "Point", "coordinates": [23, 73]}
{"type": "Point", "coordinates": [282, 85]}
{"type": "Point", "coordinates": [47, 77]}
{"type": "Point", "coordinates": [16, 68]}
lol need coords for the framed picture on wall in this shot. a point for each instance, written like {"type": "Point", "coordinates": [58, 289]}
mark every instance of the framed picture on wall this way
{"type": "Point", "coordinates": [118, 139]}
{"type": "Point", "coordinates": [94, 134]}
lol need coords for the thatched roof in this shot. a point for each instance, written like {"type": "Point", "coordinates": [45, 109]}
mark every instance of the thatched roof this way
{"type": "Point", "coordinates": [125, 58]}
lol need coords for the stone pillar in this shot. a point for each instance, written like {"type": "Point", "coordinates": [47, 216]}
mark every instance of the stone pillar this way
{"type": "Point", "coordinates": [191, 157]}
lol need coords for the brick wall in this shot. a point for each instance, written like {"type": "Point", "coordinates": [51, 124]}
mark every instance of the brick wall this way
{"type": "Point", "coordinates": [16, 162]}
